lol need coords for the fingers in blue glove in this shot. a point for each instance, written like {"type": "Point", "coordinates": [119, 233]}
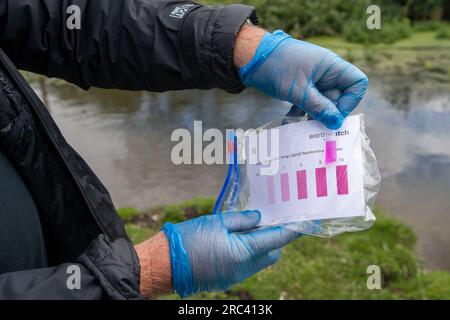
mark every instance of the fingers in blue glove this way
{"type": "Point", "coordinates": [262, 240]}
{"type": "Point", "coordinates": [267, 260]}
{"type": "Point", "coordinates": [211, 253]}
{"type": "Point", "coordinates": [352, 95]}
{"type": "Point", "coordinates": [321, 108]}
{"type": "Point", "coordinates": [345, 82]}
{"type": "Point", "coordinates": [240, 221]}
{"type": "Point", "coordinates": [313, 78]}
{"type": "Point", "coordinates": [268, 239]}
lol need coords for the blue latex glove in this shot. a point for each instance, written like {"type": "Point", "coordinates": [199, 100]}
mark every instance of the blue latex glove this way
{"type": "Point", "coordinates": [211, 253]}
{"type": "Point", "coordinates": [311, 77]}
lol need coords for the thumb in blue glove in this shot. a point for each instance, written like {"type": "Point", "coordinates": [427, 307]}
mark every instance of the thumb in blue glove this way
{"type": "Point", "coordinates": [311, 77]}
{"type": "Point", "coordinates": [212, 253]}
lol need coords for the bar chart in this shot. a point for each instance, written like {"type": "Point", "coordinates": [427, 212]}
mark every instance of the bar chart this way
{"type": "Point", "coordinates": [301, 183]}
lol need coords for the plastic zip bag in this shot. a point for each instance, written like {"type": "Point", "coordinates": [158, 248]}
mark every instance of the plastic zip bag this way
{"type": "Point", "coordinates": [236, 193]}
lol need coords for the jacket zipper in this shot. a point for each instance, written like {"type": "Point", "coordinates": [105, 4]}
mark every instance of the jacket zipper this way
{"type": "Point", "coordinates": [31, 98]}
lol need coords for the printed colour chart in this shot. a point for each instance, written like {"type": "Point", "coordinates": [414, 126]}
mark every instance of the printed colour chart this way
{"type": "Point", "coordinates": [305, 186]}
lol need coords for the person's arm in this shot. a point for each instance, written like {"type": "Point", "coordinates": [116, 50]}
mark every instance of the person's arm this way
{"type": "Point", "coordinates": [161, 45]}
{"type": "Point", "coordinates": [154, 45]}
{"type": "Point", "coordinates": [156, 272]}
{"type": "Point", "coordinates": [247, 42]}
{"type": "Point", "coordinates": [107, 270]}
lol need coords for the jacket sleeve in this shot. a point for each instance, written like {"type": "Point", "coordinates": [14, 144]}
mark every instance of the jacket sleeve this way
{"type": "Point", "coordinates": [154, 45]}
{"type": "Point", "coordinates": [107, 270]}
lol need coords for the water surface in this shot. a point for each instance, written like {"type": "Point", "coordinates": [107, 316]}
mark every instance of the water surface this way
{"type": "Point", "coordinates": [125, 138]}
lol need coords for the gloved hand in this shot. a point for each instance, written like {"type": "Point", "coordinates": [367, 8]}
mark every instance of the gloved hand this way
{"type": "Point", "coordinates": [311, 77]}
{"type": "Point", "coordinates": [211, 253]}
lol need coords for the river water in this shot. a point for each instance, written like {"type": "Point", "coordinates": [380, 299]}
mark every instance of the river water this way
{"type": "Point", "coordinates": [125, 138]}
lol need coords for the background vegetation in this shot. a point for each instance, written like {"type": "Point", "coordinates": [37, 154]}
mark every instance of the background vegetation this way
{"type": "Point", "coordinates": [318, 268]}
{"type": "Point", "coordinates": [305, 18]}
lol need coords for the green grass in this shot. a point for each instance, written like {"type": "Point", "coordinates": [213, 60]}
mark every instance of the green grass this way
{"type": "Point", "coordinates": [189, 209]}
{"type": "Point", "coordinates": [128, 214]}
{"type": "Point", "coordinates": [442, 34]}
{"type": "Point", "coordinates": [418, 40]}
{"type": "Point", "coordinates": [425, 54]}
{"type": "Point", "coordinates": [422, 40]}
{"type": "Point", "coordinates": [318, 268]}
{"type": "Point", "coordinates": [138, 233]}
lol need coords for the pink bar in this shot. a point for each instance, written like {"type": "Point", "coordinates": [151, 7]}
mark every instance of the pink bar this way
{"type": "Point", "coordinates": [321, 182]}
{"type": "Point", "coordinates": [285, 194]}
{"type": "Point", "coordinates": [271, 189]}
{"type": "Point", "coordinates": [302, 191]}
{"type": "Point", "coordinates": [342, 179]}
{"type": "Point", "coordinates": [330, 151]}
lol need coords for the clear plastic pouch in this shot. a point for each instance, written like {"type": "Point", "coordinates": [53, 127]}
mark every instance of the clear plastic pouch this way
{"type": "Point", "coordinates": [236, 193]}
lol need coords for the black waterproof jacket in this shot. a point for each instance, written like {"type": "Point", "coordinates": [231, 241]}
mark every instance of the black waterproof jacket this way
{"type": "Point", "coordinates": [152, 45]}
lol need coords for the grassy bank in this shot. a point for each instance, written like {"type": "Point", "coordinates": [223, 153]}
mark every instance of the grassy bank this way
{"type": "Point", "coordinates": [424, 54]}
{"type": "Point", "coordinates": [316, 268]}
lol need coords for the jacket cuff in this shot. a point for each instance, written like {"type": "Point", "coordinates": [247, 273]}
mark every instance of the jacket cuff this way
{"type": "Point", "coordinates": [206, 42]}
{"type": "Point", "coordinates": [116, 266]}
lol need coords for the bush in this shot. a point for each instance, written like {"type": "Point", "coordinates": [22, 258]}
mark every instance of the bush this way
{"type": "Point", "coordinates": [443, 33]}
{"type": "Point", "coordinates": [356, 31]}
{"type": "Point", "coordinates": [427, 25]}
{"type": "Point", "coordinates": [334, 17]}
{"type": "Point", "coordinates": [303, 18]}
